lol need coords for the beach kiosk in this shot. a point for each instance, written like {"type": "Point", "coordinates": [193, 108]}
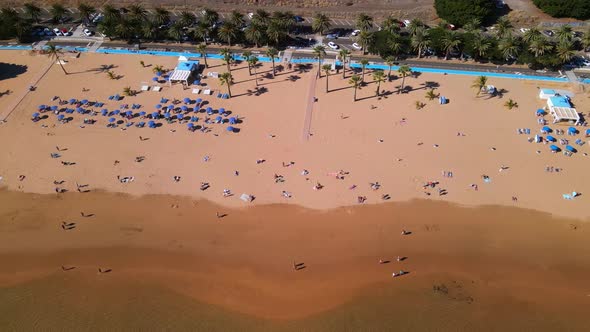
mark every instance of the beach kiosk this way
{"type": "Point", "coordinates": [547, 93]}
{"type": "Point", "coordinates": [184, 70]}
{"type": "Point", "coordinates": [561, 110]}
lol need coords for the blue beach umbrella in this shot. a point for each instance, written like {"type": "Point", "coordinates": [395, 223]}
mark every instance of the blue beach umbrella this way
{"type": "Point", "coordinates": [104, 112]}
{"type": "Point", "coordinates": [42, 107]}
{"type": "Point", "coordinates": [194, 119]}
{"type": "Point", "coordinates": [571, 148]}
{"type": "Point", "coordinates": [199, 100]}
{"type": "Point", "coordinates": [572, 130]}
{"type": "Point", "coordinates": [233, 120]}
{"type": "Point", "coordinates": [142, 113]}
{"type": "Point", "coordinates": [540, 111]}
{"type": "Point", "coordinates": [35, 115]}
{"type": "Point", "coordinates": [186, 100]}
{"type": "Point", "coordinates": [111, 120]}
{"type": "Point", "coordinates": [116, 112]}
{"type": "Point", "coordinates": [159, 73]}
{"type": "Point", "coordinates": [60, 117]}
{"type": "Point", "coordinates": [155, 115]}
{"type": "Point", "coordinates": [230, 128]}
{"type": "Point", "coordinates": [79, 110]}
{"type": "Point", "coordinates": [155, 79]}
{"type": "Point", "coordinates": [84, 101]}
{"type": "Point", "coordinates": [151, 124]}
{"type": "Point", "coordinates": [209, 110]}
{"type": "Point", "coordinates": [129, 113]}
{"type": "Point", "coordinates": [158, 106]}
{"type": "Point", "coordinates": [551, 139]}
{"type": "Point", "coordinates": [179, 116]}
{"type": "Point", "coordinates": [554, 148]}
{"type": "Point", "coordinates": [587, 132]}
{"type": "Point", "coordinates": [53, 108]}
{"type": "Point", "coordinates": [184, 108]}
{"type": "Point", "coordinates": [167, 115]}
{"type": "Point", "coordinates": [170, 107]}
{"type": "Point", "coordinates": [72, 101]}
{"type": "Point", "coordinates": [546, 129]}
{"type": "Point", "coordinates": [221, 110]}
{"type": "Point", "coordinates": [69, 110]}
{"type": "Point", "coordinates": [190, 125]}
{"type": "Point", "coordinates": [218, 119]}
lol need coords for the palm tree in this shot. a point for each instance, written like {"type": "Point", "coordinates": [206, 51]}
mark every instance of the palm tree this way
{"type": "Point", "coordinates": [202, 32]}
{"type": "Point", "coordinates": [111, 13]}
{"type": "Point", "coordinates": [564, 33]}
{"type": "Point", "coordinates": [531, 35]}
{"type": "Point", "coordinates": [389, 61]}
{"type": "Point", "coordinates": [187, 19]}
{"type": "Point", "coordinates": [237, 18]}
{"type": "Point", "coordinates": [355, 82]}
{"type": "Point", "coordinates": [111, 75]}
{"type": "Point", "coordinates": [58, 12]}
{"type": "Point", "coordinates": [261, 17]}
{"type": "Point", "coordinates": [565, 50]}
{"type": "Point", "coordinates": [327, 68]}
{"type": "Point", "coordinates": [586, 40]}
{"type": "Point", "coordinates": [364, 63]}
{"type": "Point", "coordinates": [321, 23]}
{"type": "Point", "coordinates": [255, 34]}
{"type": "Point", "coordinates": [137, 13]}
{"type": "Point", "coordinates": [210, 17]}
{"type": "Point", "coordinates": [503, 26]}
{"type": "Point", "coordinates": [396, 46]}
{"type": "Point", "coordinates": [480, 83]}
{"type": "Point", "coordinates": [227, 57]}
{"type": "Point", "coordinates": [202, 49]}
{"type": "Point", "coordinates": [365, 38]}
{"type": "Point", "coordinates": [430, 94]}
{"type": "Point", "coordinates": [32, 11]}
{"type": "Point", "coordinates": [510, 104]}
{"type": "Point", "coordinates": [125, 29]}
{"type": "Point", "coordinates": [419, 105]}
{"type": "Point", "coordinates": [158, 69]}
{"type": "Point", "coordinates": [344, 54]}
{"type": "Point", "coordinates": [481, 45]}
{"type": "Point", "coordinates": [415, 25]}
{"type": "Point", "coordinates": [161, 16]}
{"type": "Point", "coordinates": [364, 22]}
{"type": "Point", "coordinates": [247, 55]}
{"type": "Point", "coordinates": [450, 42]}
{"type": "Point", "coordinates": [85, 11]}
{"type": "Point", "coordinates": [127, 91]}
{"type": "Point", "coordinates": [420, 41]}
{"type": "Point", "coordinates": [319, 52]}
{"type": "Point", "coordinates": [226, 79]}
{"type": "Point", "coordinates": [275, 32]}
{"type": "Point", "coordinates": [253, 62]}
{"type": "Point", "coordinates": [379, 77]}
{"type": "Point", "coordinates": [149, 30]}
{"type": "Point", "coordinates": [175, 31]}
{"type": "Point", "coordinates": [53, 52]}
{"type": "Point", "coordinates": [272, 53]}
{"type": "Point", "coordinates": [403, 70]}
{"type": "Point", "coordinates": [227, 32]}
{"type": "Point", "coordinates": [390, 24]}
{"type": "Point", "coordinates": [539, 46]}
{"type": "Point", "coordinates": [473, 26]}
{"type": "Point", "coordinates": [22, 29]}
{"type": "Point", "coordinates": [509, 47]}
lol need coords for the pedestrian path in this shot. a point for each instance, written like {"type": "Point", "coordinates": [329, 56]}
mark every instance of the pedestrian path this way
{"type": "Point", "coordinates": [94, 47]}
{"type": "Point", "coordinates": [40, 45]}
{"type": "Point", "coordinates": [25, 90]}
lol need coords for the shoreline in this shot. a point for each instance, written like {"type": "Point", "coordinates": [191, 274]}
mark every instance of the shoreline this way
{"type": "Point", "coordinates": [242, 262]}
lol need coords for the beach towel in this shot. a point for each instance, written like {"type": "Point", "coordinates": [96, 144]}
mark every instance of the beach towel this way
{"type": "Point", "coordinates": [567, 196]}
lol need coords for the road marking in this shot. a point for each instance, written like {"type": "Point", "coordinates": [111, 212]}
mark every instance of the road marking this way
{"type": "Point", "coordinates": [47, 10]}
{"type": "Point", "coordinates": [196, 14]}
{"type": "Point", "coordinates": [307, 19]}
{"type": "Point", "coordinates": [222, 15]}
{"type": "Point", "coordinates": [72, 10]}
{"type": "Point", "coordinates": [149, 11]}
{"type": "Point", "coordinates": [349, 23]}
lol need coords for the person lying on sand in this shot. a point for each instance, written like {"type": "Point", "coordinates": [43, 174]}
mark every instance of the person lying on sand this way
{"type": "Point", "coordinates": [176, 178]}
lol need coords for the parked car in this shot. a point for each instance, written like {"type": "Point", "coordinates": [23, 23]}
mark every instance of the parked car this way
{"type": "Point", "coordinates": [331, 36]}
{"type": "Point", "coordinates": [355, 33]}
{"type": "Point", "coordinates": [451, 26]}
{"type": "Point", "coordinates": [357, 46]}
{"type": "Point", "coordinates": [406, 22]}
{"type": "Point", "coordinates": [333, 45]}
{"type": "Point", "coordinates": [88, 32]}
{"type": "Point", "coordinates": [524, 30]}
{"type": "Point", "coordinates": [298, 19]}
{"type": "Point", "coordinates": [548, 33]}
{"type": "Point", "coordinates": [57, 32]}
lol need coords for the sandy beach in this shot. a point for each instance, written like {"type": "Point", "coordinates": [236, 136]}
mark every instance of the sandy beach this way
{"type": "Point", "coordinates": [477, 259]}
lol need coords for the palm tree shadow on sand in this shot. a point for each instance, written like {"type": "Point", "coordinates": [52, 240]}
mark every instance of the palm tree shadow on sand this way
{"type": "Point", "coordinates": [11, 70]}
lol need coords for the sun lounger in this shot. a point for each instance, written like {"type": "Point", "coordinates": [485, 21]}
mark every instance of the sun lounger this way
{"type": "Point", "coordinates": [196, 91]}
{"type": "Point", "coordinates": [145, 88]}
{"type": "Point", "coordinates": [213, 74]}
{"type": "Point", "coordinates": [156, 88]}
{"type": "Point", "coordinates": [246, 198]}
{"type": "Point", "coordinates": [207, 92]}
{"type": "Point", "coordinates": [219, 95]}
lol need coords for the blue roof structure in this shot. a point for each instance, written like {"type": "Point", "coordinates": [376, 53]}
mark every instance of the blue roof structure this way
{"type": "Point", "coordinates": [560, 102]}
{"type": "Point", "coordinates": [188, 65]}
{"type": "Point", "coordinates": [548, 91]}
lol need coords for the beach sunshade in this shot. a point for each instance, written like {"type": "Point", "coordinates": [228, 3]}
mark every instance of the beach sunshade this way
{"type": "Point", "coordinates": [587, 131]}
{"type": "Point", "coordinates": [159, 73]}
{"type": "Point", "coordinates": [53, 108]}
{"type": "Point", "coordinates": [546, 129]}
{"type": "Point", "coordinates": [60, 117]}
{"type": "Point", "coordinates": [190, 125]}
{"type": "Point", "coordinates": [187, 100]}
{"type": "Point", "coordinates": [554, 148]}
{"type": "Point", "coordinates": [116, 112]}
{"type": "Point", "coordinates": [218, 119]}
{"type": "Point", "coordinates": [540, 111]}
{"type": "Point", "coordinates": [84, 101]}
{"type": "Point", "coordinates": [158, 106]}
{"type": "Point", "coordinates": [233, 120]}
{"type": "Point", "coordinates": [72, 101]}
{"type": "Point", "coordinates": [221, 110]}
{"type": "Point", "coordinates": [194, 119]}
{"type": "Point", "coordinates": [199, 100]}
{"type": "Point", "coordinates": [167, 115]}
{"type": "Point", "coordinates": [104, 111]}
{"type": "Point", "coordinates": [572, 130]}
{"type": "Point", "coordinates": [69, 110]}
{"type": "Point", "coordinates": [170, 107]}
{"type": "Point", "coordinates": [155, 115]}
{"type": "Point", "coordinates": [35, 115]}
{"type": "Point", "coordinates": [111, 120]}
{"type": "Point", "coordinates": [551, 139]}
{"type": "Point", "coordinates": [151, 123]}
{"type": "Point", "coordinates": [155, 79]}
{"type": "Point", "coordinates": [179, 116]}
{"type": "Point", "coordinates": [230, 128]}
{"type": "Point", "coordinates": [570, 148]}
{"type": "Point", "coordinates": [184, 108]}
{"type": "Point", "coordinates": [42, 107]}
{"type": "Point", "coordinates": [142, 113]}
{"type": "Point", "coordinates": [129, 113]}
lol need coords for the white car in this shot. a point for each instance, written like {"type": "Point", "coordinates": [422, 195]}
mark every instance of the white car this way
{"type": "Point", "coordinates": [357, 46]}
{"type": "Point", "coordinates": [88, 32]}
{"type": "Point", "coordinates": [57, 32]}
{"type": "Point", "coordinates": [355, 33]}
{"type": "Point", "coordinates": [250, 15]}
{"type": "Point", "coordinates": [407, 22]}
{"type": "Point", "coordinates": [333, 45]}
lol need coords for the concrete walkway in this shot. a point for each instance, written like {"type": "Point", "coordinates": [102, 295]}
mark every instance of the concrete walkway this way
{"type": "Point", "coordinates": [25, 91]}
{"type": "Point", "coordinates": [309, 110]}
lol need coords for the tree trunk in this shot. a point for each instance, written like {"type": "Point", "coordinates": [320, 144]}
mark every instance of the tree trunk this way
{"type": "Point", "coordinates": [255, 76]}
{"type": "Point", "coordinates": [403, 81]}
{"type": "Point", "coordinates": [389, 75]}
{"type": "Point", "coordinates": [447, 54]}
{"type": "Point", "coordinates": [419, 52]}
{"type": "Point", "coordinates": [327, 90]}
{"type": "Point", "coordinates": [62, 66]}
{"type": "Point", "coordinates": [249, 69]}
{"type": "Point", "coordinates": [378, 87]}
{"type": "Point", "coordinates": [355, 93]}
{"type": "Point", "coordinates": [363, 77]}
{"type": "Point", "coordinates": [344, 68]}
{"type": "Point", "coordinates": [273, 67]}
{"type": "Point", "coordinates": [229, 89]}
{"type": "Point", "coordinates": [319, 69]}
{"type": "Point", "coordinates": [205, 59]}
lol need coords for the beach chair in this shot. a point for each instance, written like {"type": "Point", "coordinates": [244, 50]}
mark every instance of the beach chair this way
{"type": "Point", "coordinates": [207, 92]}
{"type": "Point", "coordinates": [567, 196]}
{"type": "Point", "coordinates": [196, 91]}
{"type": "Point", "coordinates": [156, 88]}
{"type": "Point", "coordinates": [225, 96]}
{"type": "Point", "coordinates": [527, 131]}
{"type": "Point", "coordinates": [145, 88]}
{"type": "Point", "coordinates": [219, 95]}
{"type": "Point", "coordinates": [111, 97]}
